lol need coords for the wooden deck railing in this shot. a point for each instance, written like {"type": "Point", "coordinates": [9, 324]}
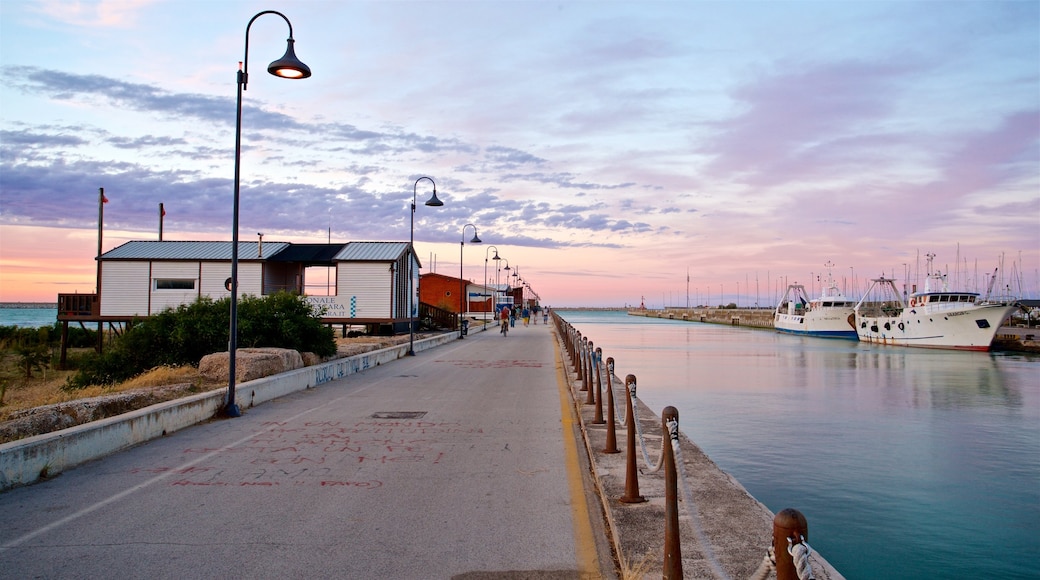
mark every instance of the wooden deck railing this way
{"type": "Point", "coordinates": [78, 306]}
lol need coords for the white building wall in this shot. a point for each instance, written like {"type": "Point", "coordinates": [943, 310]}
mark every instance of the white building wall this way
{"type": "Point", "coordinates": [370, 283]}
{"type": "Point", "coordinates": [250, 279]}
{"type": "Point", "coordinates": [164, 298]}
{"type": "Point", "coordinates": [129, 288]}
{"type": "Point", "coordinates": [124, 288]}
{"type": "Point", "coordinates": [213, 276]}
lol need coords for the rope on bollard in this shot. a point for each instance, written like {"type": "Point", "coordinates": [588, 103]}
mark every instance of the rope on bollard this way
{"type": "Point", "coordinates": [691, 509]}
{"type": "Point", "coordinates": [619, 413]}
{"type": "Point", "coordinates": [767, 568]}
{"type": "Point", "coordinates": [653, 467]}
{"type": "Point", "coordinates": [800, 554]}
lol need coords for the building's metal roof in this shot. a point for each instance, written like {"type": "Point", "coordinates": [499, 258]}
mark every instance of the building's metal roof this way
{"type": "Point", "coordinates": [272, 251]}
{"type": "Point", "coordinates": [372, 252]}
{"type": "Point", "coordinates": [310, 254]}
{"type": "Point", "coordinates": [196, 251]}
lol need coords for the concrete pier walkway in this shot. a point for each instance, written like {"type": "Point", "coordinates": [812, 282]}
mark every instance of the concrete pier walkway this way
{"type": "Point", "coordinates": [460, 462]}
{"type": "Point", "coordinates": [477, 459]}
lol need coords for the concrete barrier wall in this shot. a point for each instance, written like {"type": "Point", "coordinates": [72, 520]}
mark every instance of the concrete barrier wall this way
{"type": "Point", "coordinates": [28, 460]}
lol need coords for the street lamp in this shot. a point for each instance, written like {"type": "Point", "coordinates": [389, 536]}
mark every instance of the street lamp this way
{"type": "Point", "coordinates": [432, 202]}
{"type": "Point", "coordinates": [288, 67]}
{"type": "Point", "coordinates": [462, 283]}
{"type": "Point", "coordinates": [496, 258]}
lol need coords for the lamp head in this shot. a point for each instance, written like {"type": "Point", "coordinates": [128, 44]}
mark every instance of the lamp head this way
{"type": "Point", "coordinates": [475, 239]}
{"type": "Point", "coordinates": [433, 201]}
{"type": "Point", "coordinates": [289, 66]}
{"type": "Point", "coordinates": [496, 255]}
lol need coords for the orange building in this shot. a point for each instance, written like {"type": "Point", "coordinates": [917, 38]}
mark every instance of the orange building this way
{"type": "Point", "coordinates": [444, 292]}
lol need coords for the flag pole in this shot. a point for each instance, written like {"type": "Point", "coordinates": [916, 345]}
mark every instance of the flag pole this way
{"type": "Point", "coordinates": [162, 214]}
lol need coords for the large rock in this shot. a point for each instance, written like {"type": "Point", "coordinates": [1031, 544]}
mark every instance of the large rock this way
{"type": "Point", "coordinates": [251, 363]}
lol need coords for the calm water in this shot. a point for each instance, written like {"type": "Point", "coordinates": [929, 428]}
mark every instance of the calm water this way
{"type": "Point", "coordinates": [28, 317]}
{"type": "Point", "coordinates": [907, 463]}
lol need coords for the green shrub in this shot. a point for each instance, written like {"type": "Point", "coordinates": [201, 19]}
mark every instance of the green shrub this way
{"type": "Point", "coordinates": [184, 335]}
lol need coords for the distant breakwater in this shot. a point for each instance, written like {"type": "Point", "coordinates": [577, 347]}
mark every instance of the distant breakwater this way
{"type": "Point", "coordinates": [28, 305]}
{"type": "Point", "coordinates": [753, 317]}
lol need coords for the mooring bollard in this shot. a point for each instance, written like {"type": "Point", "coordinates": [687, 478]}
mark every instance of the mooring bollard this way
{"type": "Point", "coordinates": [611, 445]}
{"type": "Point", "coordinates": [577, 357]}
{"type": "Point", "coordinates": [597, 361]}
{"type": "Point", "coordinates": [790, 533]}
{"type": "Point", "coordinates": [672, 543]}
{"type": "Point", "coordinates": [591, 398]}
{"type": "Point", "coordinates": [631, 473]}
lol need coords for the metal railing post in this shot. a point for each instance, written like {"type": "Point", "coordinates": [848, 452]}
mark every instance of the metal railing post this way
{"type": "Point", "coordinates": [590, 358]}
{"type": "Point", "coordinates": [611, 445]}
{"type": "Point", "coordinates": [631, 473]}
{"type": "Point", "coordinates": [672, 544]}
{"type": "Point", "coordinates": [789, 528]}
{"type": "Point", "coordinates": [597, 357]}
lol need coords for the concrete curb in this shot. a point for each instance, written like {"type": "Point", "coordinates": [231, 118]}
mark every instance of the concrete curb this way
{"type": "Point", "coordinates": [28, 460]}
{"type": "Point", "coordinates": [731, 530]}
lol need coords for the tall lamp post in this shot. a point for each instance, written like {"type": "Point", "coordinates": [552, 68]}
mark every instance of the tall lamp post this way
{"type": "Point", "coordinates": [496, 258]}
{"type": "Point", "coordinates": [463, 299]}
{"type": "Point", "coordinates": [288, 67]}
{"type": "Point", "coordinates": [432, 202]}
{"type": "Point", "coordinates": [497, 283]}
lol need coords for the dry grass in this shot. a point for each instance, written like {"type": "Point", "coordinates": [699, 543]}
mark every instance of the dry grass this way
{"type": "Point", "coordinates": [638, 570]}
{"type": "Point", "coordinates": [45, 388]}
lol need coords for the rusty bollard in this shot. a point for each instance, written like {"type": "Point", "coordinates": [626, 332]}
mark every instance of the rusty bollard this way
{"type": "Point", "coordinates": [597, 359]}
{"type": "Point", "coordinates": [672, 544]}
{"type": "Point", "coordinates": [789, 528]}
{"type": "Point", "coordinates": [591, 359]}
{"type": "Point", "coordinates": [577, 356]}
{"type": "Point", "coordinates": [611, 444]}
{"type": "Point", "coordinates": [631, 473]}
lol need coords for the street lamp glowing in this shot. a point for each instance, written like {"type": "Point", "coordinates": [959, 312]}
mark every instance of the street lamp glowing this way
{"type": "Point", "coordinates": [287, 67]}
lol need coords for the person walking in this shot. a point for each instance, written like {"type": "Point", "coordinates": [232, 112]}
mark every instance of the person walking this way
{"type": "Point", "coordinates": [503, 316]}
{"type": "Point", "coordinates": [526, 315]}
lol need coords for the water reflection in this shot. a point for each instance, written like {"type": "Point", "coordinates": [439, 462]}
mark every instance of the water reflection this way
{"type": "Point", "coordinates": [907, 452]}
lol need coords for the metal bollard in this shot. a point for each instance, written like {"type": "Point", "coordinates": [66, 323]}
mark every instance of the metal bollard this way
{"type": "Point", "coordinates": [789, 528]}
{"type": "Point", "coordinates": [577, 357]}
{"type": "Point", "coordinates": [631, 473]}
{"type": "Point", "coordinates": [611, 445]}
{"type": "Point", "coordinates": [591, 356]}
{"type": "Point", "coordinates": [672, 543]}
{"type": "Point", "coordinates": [597, 359]}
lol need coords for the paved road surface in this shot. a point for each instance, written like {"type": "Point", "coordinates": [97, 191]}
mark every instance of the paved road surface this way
{"type": "Point", "coordinates": [459, 462]}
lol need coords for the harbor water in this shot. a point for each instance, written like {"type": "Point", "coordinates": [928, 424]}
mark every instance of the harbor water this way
{"type": "Point", "coordinates": [28, 317]}
{"type": "Point", "coordinates": [908, 463]}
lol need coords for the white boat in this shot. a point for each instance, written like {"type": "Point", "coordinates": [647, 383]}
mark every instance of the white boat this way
{"type": "Point", "coordinates": [829, 316]}
{"type": "Point", "coordinates": [933, 318]}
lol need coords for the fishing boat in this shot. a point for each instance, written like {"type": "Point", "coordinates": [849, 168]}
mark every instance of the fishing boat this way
{"type": "Point", "coordinates": [828, 316]}
{"type": "Point", "coordinates": [932, 318]}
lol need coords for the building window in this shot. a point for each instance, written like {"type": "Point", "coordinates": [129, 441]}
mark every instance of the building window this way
{"type": "Point", "coordinates": [174, 283]}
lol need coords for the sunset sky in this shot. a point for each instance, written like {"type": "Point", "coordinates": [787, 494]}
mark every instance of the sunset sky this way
{"type": "Point", "coordinates": [606, 149]}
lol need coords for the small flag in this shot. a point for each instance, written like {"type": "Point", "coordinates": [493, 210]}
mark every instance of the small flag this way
{"type": "Point", "coordinates": [103, 198]}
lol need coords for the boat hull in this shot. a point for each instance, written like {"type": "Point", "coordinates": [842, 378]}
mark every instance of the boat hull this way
{"type": "Point", "coordinates": [965, 329]}
{"type": "Point", "coordinates": [835, 324]}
